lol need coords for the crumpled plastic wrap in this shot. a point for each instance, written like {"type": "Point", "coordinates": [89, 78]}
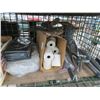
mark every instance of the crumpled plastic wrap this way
{"type": "Point", "coordinates": [23, 67]}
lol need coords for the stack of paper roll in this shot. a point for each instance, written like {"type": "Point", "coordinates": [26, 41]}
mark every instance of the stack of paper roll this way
{"type": "Point", "coordinates": [51, 43]}
{"type": "Point", "coordinates": [51, 55]}
{"type": "Point", "coordinates": [48, 57]}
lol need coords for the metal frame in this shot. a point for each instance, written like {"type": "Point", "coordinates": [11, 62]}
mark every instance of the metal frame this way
{"type": "Point", "coordinates": [88, 23]}
{"type": "Point", "coordinates": [89, 27]}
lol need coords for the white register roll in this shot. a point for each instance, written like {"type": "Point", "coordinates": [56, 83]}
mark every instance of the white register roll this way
{"type": "Point", "coordinates": [48, 57]}
{"type": "Point", "coordinates": [51, 43]}
{"type": "Point", "coordinates": [55, 50]}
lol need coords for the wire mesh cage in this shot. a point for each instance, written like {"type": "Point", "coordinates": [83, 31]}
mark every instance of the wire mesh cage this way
{"type": "Point", "coordinates": [88, 34]}
{"type": "Point", "coordinates": [87, 37]}
{"type": "Point", "coordinates": [83, 82]}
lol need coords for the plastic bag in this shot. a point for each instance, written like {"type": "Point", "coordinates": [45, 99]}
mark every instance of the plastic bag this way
{"type": "Point", "coordinates": [23, 67]}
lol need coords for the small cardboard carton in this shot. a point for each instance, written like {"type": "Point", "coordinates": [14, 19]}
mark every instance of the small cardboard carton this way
{"type": "Point", "coordinates": [41, 39]}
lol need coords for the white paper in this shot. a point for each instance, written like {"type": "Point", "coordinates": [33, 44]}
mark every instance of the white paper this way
{"type": "Point", "coordinates": [48, 57]}
{"type": "Point", "coordinates": [51, 44]}
{"type": "Point", "coordinates": [55, 50]}
{"type": "Point", "coordinates": [56, 60]}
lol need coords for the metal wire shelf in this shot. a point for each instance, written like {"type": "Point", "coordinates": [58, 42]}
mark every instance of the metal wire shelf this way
{"type": "Point", "coordinates": [89, 29]}
{"type": "Point", "coordinates": [83, 82]}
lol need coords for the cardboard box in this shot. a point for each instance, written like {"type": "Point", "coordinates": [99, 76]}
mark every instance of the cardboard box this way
{"type": "Point", "coordinates": [5, 40]}
{"type": "Point", "coordinates": [41, 42]}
